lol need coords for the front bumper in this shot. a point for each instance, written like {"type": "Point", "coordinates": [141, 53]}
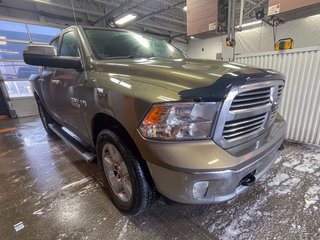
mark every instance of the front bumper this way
{"type": "Point", "coordinates": [176, 167]}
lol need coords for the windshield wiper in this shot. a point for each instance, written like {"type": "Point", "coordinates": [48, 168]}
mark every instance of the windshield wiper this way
{"type": "Point", "coordinates": [120, 57]}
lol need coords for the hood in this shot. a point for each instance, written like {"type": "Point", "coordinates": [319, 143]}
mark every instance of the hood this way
{"type": "Point", "coordinates": [191, 78]}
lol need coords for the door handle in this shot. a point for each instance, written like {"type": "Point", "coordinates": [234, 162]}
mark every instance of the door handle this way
{"type": "Point", "coordinates": [56, 82]}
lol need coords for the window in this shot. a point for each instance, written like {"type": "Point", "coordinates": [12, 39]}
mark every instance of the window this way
{"type": "Point", "coordinates": [17, 70]}
{"type": "Point", "coordinates": [112, 44]}
{"type": "Point", "coordinates": [42, 33]}
{"type": "Point", "coordinates": [12, 50]}
{"type": "Point", "coordinates": [12, 68]}
{"type": "Point", "coordinates": [69, 46]}
{"type": "Point", "coordinates": [16, 75]}
{"type": "Point", "coordinates": [13, 30]}
{"type": "Point", "coordinates": [55, 43]}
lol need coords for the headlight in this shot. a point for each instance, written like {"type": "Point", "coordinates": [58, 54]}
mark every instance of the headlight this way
{"type": "Point", "coordinates": [179, 121]}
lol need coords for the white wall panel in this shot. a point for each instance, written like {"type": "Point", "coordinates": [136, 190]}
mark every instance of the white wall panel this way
{"type": "Point", "coordinates": [300, 104]}
{"type": "Point", "coordinates": [205, 48]}
{"type": "Point", "coordinates": [304, 31]}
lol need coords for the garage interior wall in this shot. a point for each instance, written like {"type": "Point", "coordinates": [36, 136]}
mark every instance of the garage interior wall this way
{"type": "Point", "coordinates": [300, 104]}
{"type": "Point", "coordinates": [305, 32]}
{"type": "Point", "coordinates": [206, 48]}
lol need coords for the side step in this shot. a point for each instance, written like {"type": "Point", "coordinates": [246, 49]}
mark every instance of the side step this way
{"type": "Point", "coordinates": [73, 143]}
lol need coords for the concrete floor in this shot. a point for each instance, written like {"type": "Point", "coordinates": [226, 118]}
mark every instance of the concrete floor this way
{"type": "Point", "coordinates": [57, 195]}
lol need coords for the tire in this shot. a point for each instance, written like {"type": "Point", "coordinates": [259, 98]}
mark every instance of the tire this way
{"type": "Point", "coordinates": [121, 169]}
{"type": "Point", "coordinates": [46, 119]}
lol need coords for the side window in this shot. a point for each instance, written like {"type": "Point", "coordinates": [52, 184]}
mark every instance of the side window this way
{"type": "Point", "coordinates": [55, 43]}
{"type": "Point", "coordinates": [69, 46]}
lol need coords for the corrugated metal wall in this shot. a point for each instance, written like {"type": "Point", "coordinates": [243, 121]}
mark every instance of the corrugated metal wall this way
{"type": "Point", "coordinates": [300, 104]}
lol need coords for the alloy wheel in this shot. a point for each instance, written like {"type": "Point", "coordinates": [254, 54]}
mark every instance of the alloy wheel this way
{"type": "Point", "coordinates": [116, 172]}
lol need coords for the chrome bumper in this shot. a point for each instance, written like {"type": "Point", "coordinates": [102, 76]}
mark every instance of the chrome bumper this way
{"type": "Point", "coordinates": [176, 167]}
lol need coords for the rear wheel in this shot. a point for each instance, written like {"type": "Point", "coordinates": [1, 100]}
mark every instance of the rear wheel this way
{"type": "Point", "coordinates": [46, 119]}
{"type": "Point", "coordinates": [125, 176]}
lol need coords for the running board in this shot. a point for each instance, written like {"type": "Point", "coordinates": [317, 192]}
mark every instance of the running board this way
{"type": "Point", "coordinates": [73, 143]}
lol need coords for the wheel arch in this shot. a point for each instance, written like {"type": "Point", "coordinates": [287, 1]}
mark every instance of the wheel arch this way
{"type": "Point", "coordinates": [102, 121]}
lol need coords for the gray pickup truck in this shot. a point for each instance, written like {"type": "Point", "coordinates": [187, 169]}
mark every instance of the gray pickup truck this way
{"type": "Point", "coordinates": [196, 131]}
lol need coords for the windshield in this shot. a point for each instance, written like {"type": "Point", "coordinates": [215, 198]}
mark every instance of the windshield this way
{"type": "Point", "coordinates": [108, 44]}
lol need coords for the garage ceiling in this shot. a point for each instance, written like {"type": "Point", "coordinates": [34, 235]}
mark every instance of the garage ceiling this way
{"type": "Point", "coordinates": [158, 16]}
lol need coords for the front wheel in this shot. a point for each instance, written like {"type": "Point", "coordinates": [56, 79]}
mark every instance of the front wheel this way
{"type": "Point", "coordinates": [126, 178]}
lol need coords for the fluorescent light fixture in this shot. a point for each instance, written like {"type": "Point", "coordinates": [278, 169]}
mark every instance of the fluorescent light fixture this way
{"type": "Point", "coordinates": [3, 40]}
{"type": "Point", "coordinates": [125, 19]}
{"type": "Point", "coordinates": [250, 24]}
{"type": "Point", "coordinates": [185, 8]}
{"type": "Point", "coordinates": [42, 1]}
{"type": "Point", "coordinates": [8, 52]}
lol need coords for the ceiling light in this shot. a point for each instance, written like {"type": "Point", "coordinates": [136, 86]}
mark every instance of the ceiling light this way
{"type": "Point", "coordinates": [3, 40]}
{"type": "Point", "coordinates": [125, 19]}
{"type": "Point", "coordinates": [192, 37]}
{"type": "Point", "coordinates": [42, 1]}
{"type": "Point", "coordinates": [185, 8]}
{"type": "Point", "coordinates": [251, 24]}
{"type": "Point", "coordinates": [8, 52]}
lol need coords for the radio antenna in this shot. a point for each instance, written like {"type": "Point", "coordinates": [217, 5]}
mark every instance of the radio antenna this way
{"type": "Point", "coordinates": [74, 13]}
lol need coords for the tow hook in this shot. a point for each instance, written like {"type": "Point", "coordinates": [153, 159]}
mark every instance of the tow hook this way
{"type": "Point", "coordinates": [248, 180]}
{"type": "Point", "coordinates": [281, 147]}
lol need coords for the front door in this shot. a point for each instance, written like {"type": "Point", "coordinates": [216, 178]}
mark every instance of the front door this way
{"type": "Point", "coordinates": [49, 87]}
{"type": "Point", "coordinates": [68, 83]}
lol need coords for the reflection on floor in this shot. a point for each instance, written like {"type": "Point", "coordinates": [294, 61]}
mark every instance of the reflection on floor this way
{"type": "Point", "coordinates": [47, 192]}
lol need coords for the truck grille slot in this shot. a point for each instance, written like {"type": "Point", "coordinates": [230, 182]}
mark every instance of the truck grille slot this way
{"type": "Point", "coordinates": [240, 127]}
{"type": "Point", "coordinates": [276, 108]}
{"type": "Point", "coordinates": [251, 99]}
{"type": "Point", "coordinates": [280, 90]}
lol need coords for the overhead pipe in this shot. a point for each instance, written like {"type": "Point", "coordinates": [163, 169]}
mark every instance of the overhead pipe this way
{"type": "Point", "coordinates": [233, 35]}
{"type": "Point", "coordinates": [233, 19]}
{"type": "Point", "coordinates": [123, 5]}
{"type": "Point", "coordinates": [241, 13]}
{"type": "Point", "coordinates": [229, 19]}
{"type": "Point", "coordinates": [157, 12]}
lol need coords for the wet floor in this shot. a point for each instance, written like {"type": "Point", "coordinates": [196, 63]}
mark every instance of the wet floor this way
{"type": "Point", "coordinates": [48, 192]}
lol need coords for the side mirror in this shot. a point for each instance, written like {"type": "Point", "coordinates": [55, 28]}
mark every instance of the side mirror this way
{"type": "Point", "coordinates": [46, 56]}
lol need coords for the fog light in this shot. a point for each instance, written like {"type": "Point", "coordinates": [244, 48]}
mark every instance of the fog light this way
{"type": "Point", "coordinates": [200, 189]}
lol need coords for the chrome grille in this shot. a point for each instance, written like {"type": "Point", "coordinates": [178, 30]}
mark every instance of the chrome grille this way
{"type": "Point", "coordinates": [247, 112]}
{"type": "Point", "coordinates": [276, 106]}
{"type": "Point", "coordinates": [253, 98]}
{"type": "Point", "coordinates": [238, 128]}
